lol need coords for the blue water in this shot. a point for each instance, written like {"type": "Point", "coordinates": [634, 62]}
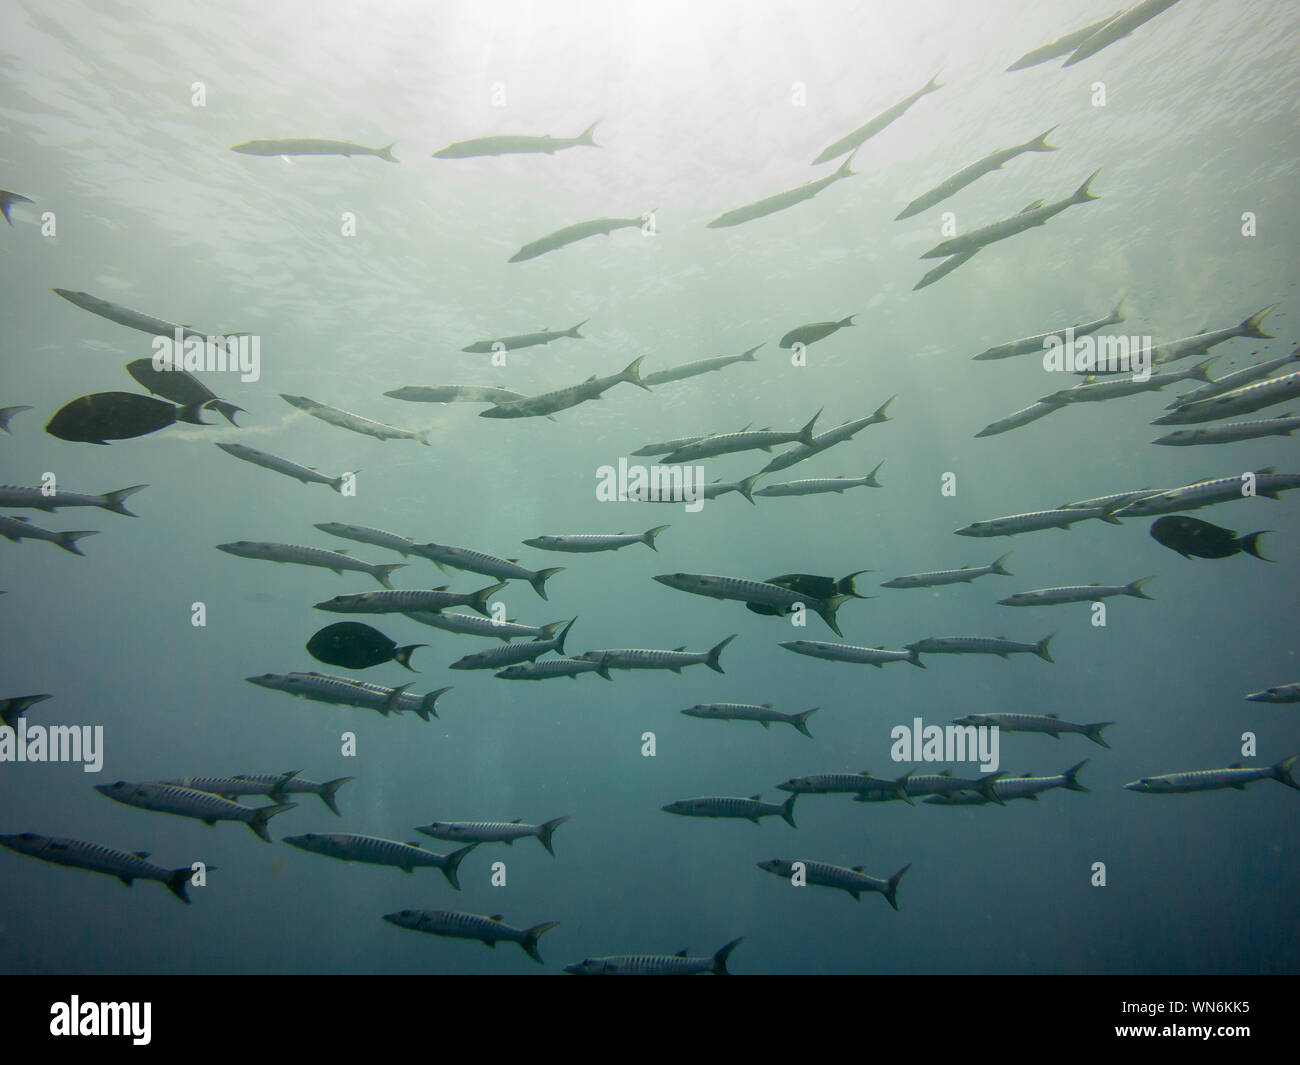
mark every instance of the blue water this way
{"type": "Point", "coordinates": [152, 210]}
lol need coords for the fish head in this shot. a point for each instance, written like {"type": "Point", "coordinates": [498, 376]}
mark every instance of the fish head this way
{"type": "Point", "coordinates": [674, 808]}
{"type": "Point", "coordinates": [586, 967]}
{"type": "Point", "coordinates": [1142, 784]}
{"type": "Point", "coordinates": [774, 865]}
{"type": "Point", "coordinates": [120, 787]}
{"type": "Point", "coordinates": [792, 785]}
{"type": "Point", "coordinates": [23, 842]}
{"type": "Point", "coordinates": [404, 919]}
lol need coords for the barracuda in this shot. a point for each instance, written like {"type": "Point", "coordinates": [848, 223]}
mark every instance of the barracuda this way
{"type": "Point", "coordinates": [402, 602]}
{"type": "Point", "coordinates": [694, 369]}
{"type": "Point", "coordinates": [305, 474]}
{"type": "Point", "coordinates": [1234, 776]}
{"type": "Point", "coordinates": [589, 542]}
{"type": "Point", "coordinates": [513, 653]}
{"type": "Point", "coordinates": [343, 691]}
{"type": "Point", "coordinates": [842, 652]}
{"type": "Point", "coordinates": [679, 964]}
{"type": "Point", "coordinates": [1027, 345]}
{"type": "Point", "coordinates": [127, 866]}
{"type": "Point", "coordinates": [982, 645]}
{"type": "Point", "coordinates": [750, 809]}
{"type": "Point", "coordinates": [354, 422]}
{"type": "Point", "coordinates": [1049, 724]}
{"type": "Point", "coordinates": [338, 561]}
{"type": "Point", "coordinates": [493, 831]}
{"type": "Point", "coordinates": [936, 578]}
{"type": "Point", "coordinates": [822, 874]}
{"type": "Point", "coordinates": [827, 439]}
{"type": "Point", "coordinates": [730, 443]}
{"type": "Point", "coordinates": [675, 660]}
{"type": "Point", "coordinates": [487, 930]}
{"type": "Point", "coordinates": [1026, 787]}
{"type": "Point", "coordinates": [762, 713]}
{"type": "Point", "coordinates": [819, 485]}
{"type": "Point", "coordinates": [188, 802]}
{"type": "Point", "coordinates": [503, 569]}
{"type": "Point", "coordinates": [371, 850]}
{"type": "Point", "coordinates": [746, 591]}
{"type": "Point", "coordinates": [1082, 593]}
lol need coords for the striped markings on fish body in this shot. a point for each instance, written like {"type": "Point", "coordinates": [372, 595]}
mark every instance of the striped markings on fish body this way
{"type": "Point", "coordinates": [555, 667]}
{"type": "Point", "coordinates": [818, 485]}
{"type": "Point", "coordinates": [1028, 345]}
{"type": "Point", "coordinates": [750, 809]}
{"type": "Point", "coordinates": [548, 403]}
{"type": "Point", "coordinates": [8, 412]}
{"type": "Point", "coordinates": [1282, 693]}
{"type": "Point", "coordinates": [679, 964]}
{"type": "Point", "coordinates": [454, 394]}
{"type": "Point", "coordinates": [936, 578]}
{"type": "Point", "coordinates": [515, 144]}
{"type": "Point", "coordinates": [982, 645]}
{"type": "Point", "coordinates": [17, 529]}
{"type": "Point", "coordinates": [1117, 388]}
{"type": "Point", "coordinates": [1017, 419]}
{"type": "Point", "coordinates": [1034, 521]}
{"type": "Point", "coordinates": [1230, 382]}
{"type": "Point", "coordinates": [1121, 499]}
{"type": "Point", "coordinates": [823, 874]}
{"type": "Point", "coordinates": [831, 437]}
{"type": "Point", "coordinates": [469, 625]}
{"type": "Point", "coordinates": [132, 319]}
{"type": "Point", "coordinates": [487, 930]}
{"type": "Point", "coordinates": [489, 565]}
{"type": "Point", "coordinates": [843, 652]}
{"type": "Point", "coordinates": [848, 784]}
{"type": "Point", "coordinates": [747, 591]}
{"type": "Point", "coordinates": [700, 366]}
{"type": "Point", "coordinates": [366, 535]}
{"type": "Point", "coordinates": [126, 866]}
{"type": "Point", "coordinates": [355, 422]}
{"type": "Point", "coordinates": [944, 784]}
{"type": "Point", "coordinates": [578, 231]}
{"type": "Point", "coordinates": [514, 653]}
{"type": "Point", "coordinates": [589, 542]}
{"type": "Point", "coordinates": [1244, 400]}
{"type": "Point", "coordinates": [1061, 46]}
{"type": "Point", "coordinates": [338, 561]}
{"type": "Point", "coordinates": [1082, 593]}
{"type": "Point", "coordinates": [1202, 342]}
{"type": "Point", "coordinates": [405, 601]}
{"type": "Point", "coordinates": [189, 802]}
{"type": "Point", "coordinates": [669, 445]}
{"type": "Point", "coordinates": [343, 691]}
{"type": "Point", "coordinates": [762, 713]}
{"type": "Point", "coordinates": [1026, 787]}
{"type": "Point", "coordinates": [865, 132]}
{"type": "Point", "coordinates": [305, 474]}
{"type": "Point", "coordinates": [233, 788]}
{"type": "Point", "coordinates": [13, 708]}
{"type": "Point", "coordinates": [21, 498]}
{"type": "Point", "coordinates": [312, 146]}
{"type": "Point", "coordinates": [1267, 483]}
{"type": "Point", "coordinates": [372, 850]}
{"type": "Point", "coordinates": [493, 831]}
{"type": "Point", "coordinates": [1048, 724]}
{"type": "Point", "coordinates": [1231, 432]}
{"type": "Point", "coordinates": [782, 200]}
{"type": "Point", "coordinates": [524, 340]}
{"type": "Point", "coordinates": [675, 660]}
{"type": "Point", "coordinates": [967, 174]}
{"type": "Point", "coordinates": [1234, 776]}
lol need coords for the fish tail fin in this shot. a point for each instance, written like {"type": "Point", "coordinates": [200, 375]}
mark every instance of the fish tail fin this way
{"type": "Point", "coordinates": [747, 487]}
{"type": "Point", "coordinates": [564, 632]}
{"type": "Point", "coordinates": [538, 580]}
{"type": "Point", "coordinates": [845, 322]}
{"type": "Point", "coordinates": [1201, 371]}
{"type": "Point", "coordinates": [382, 573]}
{"type": "Point", "coordinates": [1039, 143]}
{"type": "Point", "coordinates": [1001, 569]}
{"type": "Point", "coordinates": [988, 787]}
{"type": "Point", "coordinates": [585, 137]}
{"type": "Point", "coordinates": [880, 414]}
{"type": "Point", "coordinates": [113, 500]}
{"type": "Point", "coordinates": [871, 477]}
{"type": "Point", "coordinates": [800, 721]}
{"type": "Point", "coordinates": [428, 705]}
{"type": "Point", "coordinates": [631, 373]}
{"type": "Point", "coordinates": [1040, 648]}
{"type": "Point", "coordinates": [329, 791]}
{"type": "Point", "coordinates": [478, 603]}
{"type": "Point", "coordinates": [845, 586]}
{"type": "Point", "coordinates": [715, 654]}
{"type": "Point", "coordinates": [1072, 777]}
{"type": "Point", "coordinates": [787, 810]}
{"type": "Point", "coordinates": [546, 830]}
{"type": "Point", "coordinates": [179, 881]}
{"type": "Point", "coordinates": [914, 656]}
{"type": "Point", "coordinates": [1117, 315]}
{"type": "Point", "coordinates": [1250, 544]}
{"type": "Point", "coordinates": [1134, 588]}
{"type": "Point", "coordinates": [548, 631]}
{"type": "Point", "coordinates": [648, 537]}
{"type": "Point", "coordinates": [832, 607]}
{"type": "Point", "coordinates": [1083, 193]}
{"type": "Point", "coordinates": [228, 411]}
{"type": "Point", "coordinates": [453, 863]}
{"type": "Point", "coordinates": [68, 540]}
{"type": "Point", "coordinates": [720, 958]}
{"type": "Point", "coordinates": [891, 889]}
{"type": "Point", "coordinates": [749, 355]}
{"type": "Point", "coordinates": [1093, 732]}
{"type": "Point", "coordinates": [263, 814]}
{"type": "Point", "coordinates": [934, 83]}
{"type": "Point", "coordinates": [337, 483]}
{"type": "Point", "coordinates": [386, 152]}
{"type": "Point", "coordinates": [846, 167]}
{"type": "Point", "coordinates": [1285, 772]}
{"type": "Point", "coordinates": [422, 435]}
{"type": "Point", "coordinates": [602, 668]}
{"type": "Point", "coordinates": [402, 656]}
{"type": "Point", "coordinates": [193, 412]}
{"type": "Point", "coordinates": [805, 434]}
{"type": "Point", "coordinates": [1253, 326]}
{"type": "Point", "coordinates": [900, 788]}
{"type": "Point", "coordinates": [532, 935]}
{"type": "Point", "coordinates": [574, 331]}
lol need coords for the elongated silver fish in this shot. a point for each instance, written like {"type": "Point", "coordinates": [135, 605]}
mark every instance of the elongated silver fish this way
{"type": "Point", "coordinates": [1033, 521]}
{"type": "Point", "coordinates": [272, 787]}
{"type": "Point", "coordinates": [679, 964]}
{"type": "Point", "coordinates": [843, 652]}
{"type": "Point", "coordinates": [1026, 787]}
{"type": "Point", "coordinates": [469, 625]}
{"type": "Point", "coordinates": [981, 645]}
{"type": "Point", "coordinates": [1023, 416]}
{"type": "Point", "coordinates": [487, 930]}
{"type": "Point", "coordinates": [455, 394]}
{"type": "Point", "coordinates": [708, 491]}
{"type": "Point", "coordinates": [781, 200]}
{"type": "Point", "coordinates": [750, 809]}
{"type": "Point", "coordinates": [694, 369]}
{"type": "Point", "coordinates": [1120, 499]}
{"type": "Point", "coordinates": [310, 146]}
{"type": "Point", "coordinates": [588, 542]}
{"type": "Point", "coordinates": [1117, 387]}
{"type": "Point", "coordinates": [305, 474]}
{"type": "Point", "coordinates": [827, 439]}
{"type": "Point", "coordinates": [1234, 776]}
{"type": "Point", "coordinates": [354, 422]}
{"type": "Point", "coordinates": [493, 831]}
{"type": "Point", "coordinates": [1028, 345]}
{"type": "Point", "coordinates": [372, 850]}
{"type": "Point", "coordinates": [524, 340]}
{"type": "Point", "coordinates": [579, 231]}
{"type": "Point", "coordinates": [859, 136]}
{"type": "Point", "coordinates": [20, 498]}
{"type": "Point", "coordinates": [944, 783]}
{"type": "Point", "coordinates": [746, 591]}
{"type": "Point", "coordinates": [1232, 381]}
{"type": "Point", "coordinates": [1206, 493]}
{"type": "Point", "coordinates": [1084, 593]}
{"type": "Point", "coordinates": [189, 802]}
{"type": "Point", "coordinates": [548, 403]}
{"type": "Point", "coordinates": [343, 691]}
{"type": "Point", "coordinates": [404, 602]}
{"type": "Point", "coordinates": [145, 323]}
{"type": "Point", "coordinates": [504, 569]}
{"type": "Point", "coordinates": [812, 486]}
{"type": "Point", "coordinates": [964, 176]}
{"type": "Point", "coordinates": [847, 784]}
{"type": "Point", "coordinates": [16, 529]}
{"type": "Point", "coordinates": [1045, 723]}
{"type": "Point", "coordinates": [949, 576]}
{"type": "Point", "coordinates": [364, 534]}
{"type": "Point", "coordinates": [1283, 693]}
{"type": "Point", "coordinates": [668, 445]}
{"type": "Point", "coordinates": [729, 443]}
{"type": "Point", "coordinates": [514, 653]}
{"type": "Point", "coordinates": [1120, 26]}
{"type": "Point", "coordinates": [1202, 342]}
{"type": "Point", "coordinates": [517, 145]}
{"type": "Point", "coordinates": [127, 866]}
{"type": "Point", "coordinates": [822, 874]}
{"type": "Point", "coordinates": [1245, 400]}
{"type": "Point", "coordinates": [338, 561]}
{"type": "Point", "coordinates": [13, 708]}
{"type": "Point", "coordinates": [1009, 227]}
{"type": "Point", "coordinates": [1061, 46]}
{"type": "Point", "coordinates": [555, 667]}
{"type": "Point", "coordinates": [8, 412]}
{"type": "Point", "coordinates": [675, 660]}
{"type": "Point", "coordinates": [952, 262]}
{"type": "Point", "coordinates": [762, 713]}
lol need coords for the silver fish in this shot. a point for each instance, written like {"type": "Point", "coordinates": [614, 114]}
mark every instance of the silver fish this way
{"type": "Point", "coordinates": [338, 561]}
{"type": "Point", "coordinates": [1061, 46]}
{"type": "Point", "coordinates": [517, 145]}
{"type": "Point", "coordinates": [1283, 693]}
{"type": "Point", "coordinates": [694, 369]}
{"type": "Point", "coordinates": [503, 569]}
{"type": "Point", "coordinates": [1202, 342]}
{"type": "Point", "coordinates": [455, 394]}
{"type": "Point", "coordinates": [513, 653]}
{"type": "Point", "coordinates": [309, 146]}
{"type": "Point", "coordinates": [762, 713]}
{"type": "Point", "coordinates": [679, 964]}
{"type": "Point", "coordinates": [847, 784]}
{"type": "Point", "coordinates": [16, 529]}
{"type": "Point", "coordinates": [815, 331]}
{"type": "Point", "coordinates": [276, 786]}
{"type": "Point", "coordinates": [366, 535]}
{"type": "Point", "coordinates": [981, 645]}
{"type": "Point", "coordinates": [1023, 416]}
{"type": "Point", "coordinates": [487, 930]}
{"type": "Point", "coordinates": [145, 323]}
{"type": "Point", "coordinates": [843, 652]}
{"type": "Point", "coordinates": [1027, 345]}
{"type": "Point", "coordinates": [1085, 593]}
{"type": "Point", "coordinates": [354, 422]}
{"type": "Point", "coordinates": [524, 340]}
{"type": "Point", "coordinates": [469, 625]}
{"type": "Point", "coordinates": [555, 667]}
{"type": "Point", "coordinates": [1245, 400]}
{"type": "Point", "coordinates": [1049, 724]}
{"type": "Point", "coordinates": [1120, 26]}
{"type": "Point", "coordinates": [828, 439]}
{"type": "Point", "coordinates": [1237, 379]}
{"type": "Point", "coordinates": [781, 200]}
{"type": "Point", "coordinates": [958, 181]}
{"type": "Point", "coordinates": [1013, 524]}
{"type": "Point", "coordinates": [941, 784]}
{"type": "Point", "coordinates": [372, 850]}
{"type": "Point", "coordinates": [1214, 779]}
{"type": "Point", "coordinates": [729, 443]}
{"type": "Point", "coordinates": [822, 874]}
{"type": "Point", "coordinates": [493, 831]}
{"type": "Point", "coordinates": [127, 866]}
{"type": "Point", "coordinates": [1121, 499]}
{"type": "Point", "coordinates": [578, 231]}
{"type": "Point", "coordinates": [1026, 787]}
{"type": "Point", "coordinates": [750, 809]}
{"type": "Point", "coordinates": [17, 497]}
{"type": "Point", "coordinates": [403, 602]}
{"type": "Point", "coordinates": [747, 591]}
{"type": "Point", "coordinates": [188, 802]}
{"type": "Point", "coordinates": [588, 542]}
{"type": "Point", "coordinates": [1205, 493]}
{"type": "Point", "coordinates": [675, 660]}
{"type": "Point", "coordinates": [343, 691]}
{"type": "Point", "coordinates": [949, 576]}
{"type": "Point", "coordinates": [548, 403]}
{"type": "Point", "coordinates": [1117, 387]}
{"type": "Point", "coordinates": [305, 474]}
{"type": "Point", "coordinates": [1009, 227]}
{"type": "Point", "coordinates": [859, 136]}
{"type": "Point", "coordinates": [818, 485]}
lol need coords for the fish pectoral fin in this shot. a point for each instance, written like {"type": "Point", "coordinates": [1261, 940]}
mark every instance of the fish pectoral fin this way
{"type": "Point", "coordinates": [126, 880]}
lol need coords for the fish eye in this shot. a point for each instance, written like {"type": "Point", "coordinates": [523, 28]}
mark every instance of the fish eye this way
{"type": "Point", "coordinates": [28, 836]}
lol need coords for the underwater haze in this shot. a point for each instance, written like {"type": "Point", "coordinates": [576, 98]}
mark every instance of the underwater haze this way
{"type": "Point", "coordinates": [356, 276]}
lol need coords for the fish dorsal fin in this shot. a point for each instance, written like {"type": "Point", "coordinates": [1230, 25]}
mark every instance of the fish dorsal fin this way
{"type": "Point", "coordinates": [1235, 765]}
{"type": "Point", "coordinates": [517, 821]}
{"type": "Point", "coordinates": [512, 560]}
{"type": "Point", "coordinates": [757, 798]}
{"type": "Point", "coordinates": [340, 550]}
{"type": "Point", "coordinates": [589, 379]}
{"type": "Point", "coordinates": [864, 773]}
{"type": "Point", "coordinates": [142, 854]}
{"type": "Point", "coordinates": [946, 773]}
{"type": "Point", "coordinates": [441, 588]}
{"type": "Point", "coordinates": [857, 868]}
{"type": "Point", "coordinates": [681, 648]}
{"type": "Point", "coordinates": [680, 954]}
{"type": "Point", "coordinates": [497, 917]}
{"type": "Point", "coordinates": [411, 843]}
{"type": "Point", "coordinates": [1057, 716]}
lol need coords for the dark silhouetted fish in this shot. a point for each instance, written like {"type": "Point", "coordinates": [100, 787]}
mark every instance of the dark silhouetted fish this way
{"type": "Point", "coordinates": [808, 334]}
{"type": "Point", "coordinates": [1193, 537]}
{"type": "Point", "coordinates": [355, 646]}
{"type": "Point", "coordinates": [180, 387]}
{"type": "Point", "coordinates": [1061, 46]}
{"type": "Point", "coordinates": [525, 340]}
{"type": "Point", "coordinates": [860, 135]}
{"type": "Point", "coordinates": [577, 231]}
{"type": "Point", "coordinates": [976, 170]}
{"type": "Point", "coordinates": [105, 416]}
{"type": "Point", "coordinates": [782, 200]}
{"type": "Point", "coordinates": [308, 146]}
{"type": "Point", "coordinates": [7, 200]}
